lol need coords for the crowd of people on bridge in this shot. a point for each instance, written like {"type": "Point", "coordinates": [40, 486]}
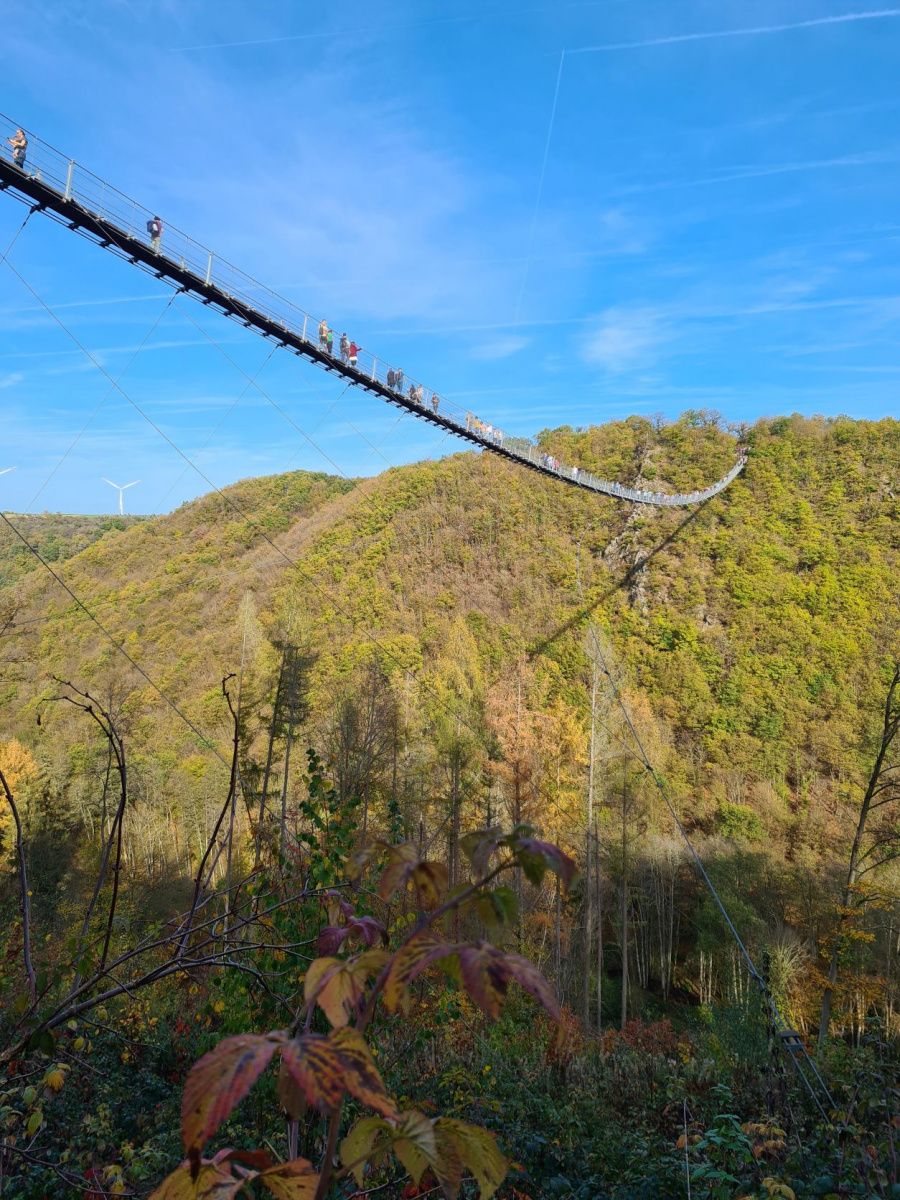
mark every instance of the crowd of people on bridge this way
{"type": "Point", "coordinates": [484, 429]}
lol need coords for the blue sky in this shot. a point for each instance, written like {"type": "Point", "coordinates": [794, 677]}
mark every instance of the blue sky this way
{"type": "Point", "coordinates": [553, 212]}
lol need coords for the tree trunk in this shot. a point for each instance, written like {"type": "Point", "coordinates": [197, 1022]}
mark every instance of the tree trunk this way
{"type": "Point", "coordinates": [588, 927]}
{"type": "Point", "coordinates": [624, 1015]}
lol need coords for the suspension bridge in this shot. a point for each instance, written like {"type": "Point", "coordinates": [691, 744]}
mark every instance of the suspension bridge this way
{"type": "Point", "coordinates": [53, 184]}
{"type": "Point", "coordinates": [50, 183]}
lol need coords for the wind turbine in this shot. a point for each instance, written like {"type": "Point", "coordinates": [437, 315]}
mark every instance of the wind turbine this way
{"type": "Point", "coordinates": [120, 490]}
{"type": "Point", "coordinates": [6, 470]}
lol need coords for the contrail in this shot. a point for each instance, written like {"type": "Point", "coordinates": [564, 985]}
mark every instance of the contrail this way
{"type": "Point", "coordinates": [540, 191]}
{"type": "Point", "coordinates": [838, 19]}
{"type": "Point", "coordinates": [299, 37]}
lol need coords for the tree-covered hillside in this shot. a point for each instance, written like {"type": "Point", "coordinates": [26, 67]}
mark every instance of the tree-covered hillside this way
{"type": "Point", "coordinates": [453, 638]}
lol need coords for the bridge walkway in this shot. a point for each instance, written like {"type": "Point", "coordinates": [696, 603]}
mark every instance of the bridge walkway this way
{"type": "Point", "coordinates": [62, 189]}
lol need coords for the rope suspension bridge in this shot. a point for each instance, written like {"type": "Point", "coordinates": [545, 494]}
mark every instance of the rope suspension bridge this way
{"type": "Point", "coordinates": [57, 186]}
{"type": "Point", "coordinates": [50, 183]}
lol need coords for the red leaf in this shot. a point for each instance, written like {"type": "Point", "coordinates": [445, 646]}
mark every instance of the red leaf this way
{"type": "Point", "coordinates": [218, 1082]}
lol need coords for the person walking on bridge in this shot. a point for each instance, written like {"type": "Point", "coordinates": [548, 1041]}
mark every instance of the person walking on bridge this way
{"type": "Point", "coordinates": [354, 354]}
{"type": "Point", "coordinates": [323, 334]}
{"type": "Point", "coordinates": [155, 229]}
{"type": "Point", "coordinates": [345, 348]}
{"type": "Point", "coordinates": [329, 342]}
{"type": "Point", "coordinates": [19, 143]}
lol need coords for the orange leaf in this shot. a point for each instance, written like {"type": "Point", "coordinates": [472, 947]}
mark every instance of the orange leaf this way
{"type": "Point", "coordinates": [316, 1067]}
{"type": "Point", "coordinates": [295, 1180]}
{"type": "Point", "coordinates": [218, 1082]}
{"type": "Point", "coordinates": [360, 1073]}
{"type": "Point", "coordinates": [325, 1068]}
{"type": "Point", "coordinates": [213, 1182]}
{"type": "Point", "coordinates": [401, 861]}
{"type": "Point", "coordinates": [432, 879]}
{"type": "Point", "coordinates": [333, 988]}
{"type": "Point", "coordinates": [422, 949]}
{"type": "Point", "coordinates": [338, 985]}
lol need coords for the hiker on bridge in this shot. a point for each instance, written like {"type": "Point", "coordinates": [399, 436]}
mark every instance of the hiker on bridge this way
{"type": "Point", "coordinates": [323, 334]}
{"type": "Point", "coordinates": [354, 354]}
{"type": "Point", "coordinates": [155, 229]}
{"type": "Point", "coordinates": [345, 348]}
{"type": "Point", "coordinates": [19, 143]}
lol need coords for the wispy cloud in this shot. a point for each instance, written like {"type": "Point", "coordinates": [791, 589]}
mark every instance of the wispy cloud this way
{"type": "Point", "coordinates": [624, 339]}
{"type": "Point", "coordinates": [742, 173]}
{"type": "Point", "coordinates": [753, 31]}
{"type": "Point", "coordinates": [8, 381]}
{"type": "Point", "coordinates": [498, 348]}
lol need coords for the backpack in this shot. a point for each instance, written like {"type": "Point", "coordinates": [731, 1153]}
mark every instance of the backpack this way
{"type": "Point", "coordinates": [154, 228]}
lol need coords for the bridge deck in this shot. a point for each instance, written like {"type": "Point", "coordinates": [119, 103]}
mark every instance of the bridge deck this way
{"type": "Point", "coordinates": [59, 187]}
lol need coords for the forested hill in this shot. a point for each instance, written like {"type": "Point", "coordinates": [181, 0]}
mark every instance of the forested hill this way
{"type": "Point", "coordinates": [440, 601]}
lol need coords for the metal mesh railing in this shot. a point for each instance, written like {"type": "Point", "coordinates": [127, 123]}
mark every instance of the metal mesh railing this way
{"type": "Point", "coordinates": [128, 218]}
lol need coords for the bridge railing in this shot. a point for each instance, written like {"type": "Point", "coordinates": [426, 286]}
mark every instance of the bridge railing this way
{"type": "Point", "coordinates": [125, 216]}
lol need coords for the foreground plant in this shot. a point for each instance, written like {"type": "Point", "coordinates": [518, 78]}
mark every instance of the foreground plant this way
{"type": "Point", "coordinates": [347, 985]}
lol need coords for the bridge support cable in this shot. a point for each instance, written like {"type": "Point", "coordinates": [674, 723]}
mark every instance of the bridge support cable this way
{"type": "Point", "coordinates": [66, 192]}
{"type": "Point", "coordinates": [792, 1045]}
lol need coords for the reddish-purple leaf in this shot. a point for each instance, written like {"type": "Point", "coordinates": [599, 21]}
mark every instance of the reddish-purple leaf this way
{"type": "Point", "coordinates": [219, 1081]}
{"type": "Point", "coordinates": [529, 977]}
{"type": "Point", "coordinates": [331, 938]}
{"type": "Point", "coordinates": [368, 930]}
{"type": "Point", "coordinates": [485, 973]}
{"type": "Point", "coordinates": [479, 846]}
{"type": "Point", "coordinates": [536, 857]}
{"type": "Point", "coordinates": [258, 1159]}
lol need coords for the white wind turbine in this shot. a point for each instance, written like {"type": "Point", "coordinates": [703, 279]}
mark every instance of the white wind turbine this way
{"type": "Point", "coordinates": [120, 490]}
